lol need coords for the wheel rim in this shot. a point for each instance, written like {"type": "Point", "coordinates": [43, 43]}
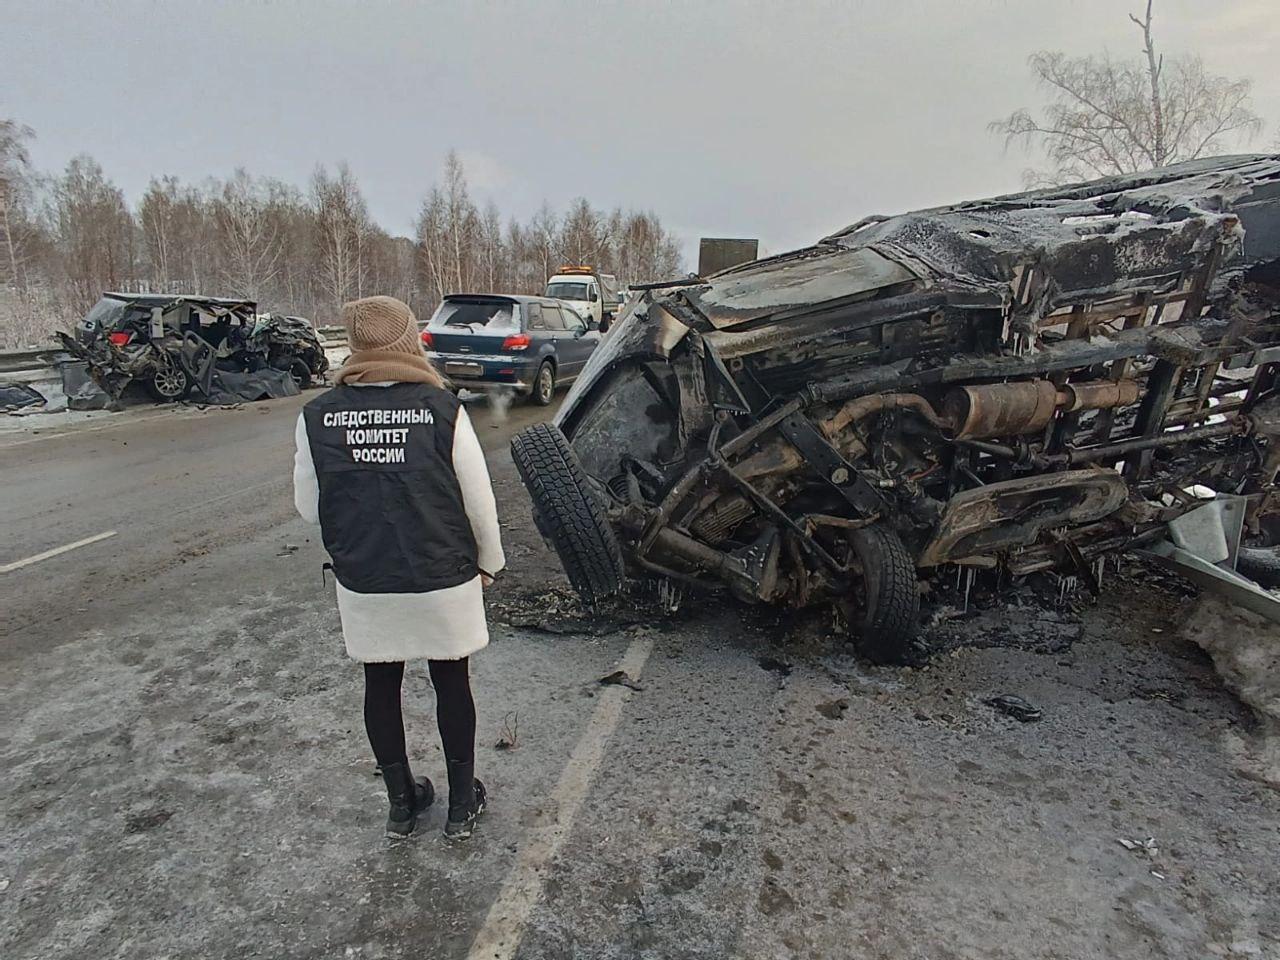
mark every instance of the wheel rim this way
{"type": "Point", "coordinates": [169, 380]}
{"type": "Point", "coordinates": [545, 384]}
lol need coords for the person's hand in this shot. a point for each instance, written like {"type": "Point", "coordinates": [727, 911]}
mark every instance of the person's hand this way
{"type": "Point", "coordinates": [486, 580]}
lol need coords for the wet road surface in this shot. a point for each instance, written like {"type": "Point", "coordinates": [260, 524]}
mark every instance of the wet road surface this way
{"type": "Point", "coordinates": [186, 773]}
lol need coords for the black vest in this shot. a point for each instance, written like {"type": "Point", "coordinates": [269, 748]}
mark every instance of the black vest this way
{"type": "Point", "coordinates": [391, 510]}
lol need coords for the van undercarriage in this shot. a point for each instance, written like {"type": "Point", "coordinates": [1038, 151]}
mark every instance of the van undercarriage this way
{"type": "Point", "coordinates": [1025, 384]}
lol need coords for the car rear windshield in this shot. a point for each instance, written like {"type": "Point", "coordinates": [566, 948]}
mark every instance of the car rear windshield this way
{"type": "Point", "coordinates": [106, 314]}
{"type": "Point", "coordinates": [488, 316]}
{"type": "Point", "coordinates": [567, 291]}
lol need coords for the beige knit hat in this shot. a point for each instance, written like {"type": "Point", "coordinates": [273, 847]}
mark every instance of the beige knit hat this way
{"type": "Point", "coordinates": [385, 344]}
{"type": "Point", "coordinates": [384, 324]}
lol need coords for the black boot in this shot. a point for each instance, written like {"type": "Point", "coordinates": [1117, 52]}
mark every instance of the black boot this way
{"type": "Point", "coordinates": [466, 800]}
{"type": "Point", "coordinates": [408, 797]}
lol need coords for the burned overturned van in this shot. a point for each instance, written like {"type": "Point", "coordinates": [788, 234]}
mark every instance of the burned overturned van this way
{"type": "Point", "coordinates": [174, 343]}
{"type": "Point", "coordinates": [1024, 383]}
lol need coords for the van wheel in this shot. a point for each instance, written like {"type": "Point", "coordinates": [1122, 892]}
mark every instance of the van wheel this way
{"type": "Point", "coordinates": [544, 385]}
{"type": "Point", "coordinates": [1261, 565]}
{"type": "Point", "coordinates": [169, 382]}
{"type": "Point", "coordinates": [885, 618]}
{"type": "Point", "coordinates": [568, 513]}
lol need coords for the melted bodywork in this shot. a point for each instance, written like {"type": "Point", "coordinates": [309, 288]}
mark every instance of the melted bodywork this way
{"type": "Point", "coordinates": [1024, 383]}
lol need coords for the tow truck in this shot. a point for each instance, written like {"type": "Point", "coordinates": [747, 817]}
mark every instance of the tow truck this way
{"type": "Point", "coordinates": [594, 295]}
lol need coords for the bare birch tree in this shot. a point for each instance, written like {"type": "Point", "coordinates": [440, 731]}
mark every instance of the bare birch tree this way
{"type": "Point", "coordinates": [249, 244]}
{"type": "Point", "coordinates": [462, 221]}
{"type": "Point", "coordinates": [342, 228]}
{"type": "Point", "coordinates": [1109, 116]}
{"type": "Point", "coordinates": [14, 172]}
{"type": "Point", "coordinates": [544, 232]}
{"type": "Point", "coordinates": [178, 236]}
{"type": "Point", "coordinates": [492, 254]}
{"type": "Point", "coordinates": [584, 237]}
{"type": "Point", "coordinates": [94, 230]}
{"type": "Point", "coordinates": [451, 236]}
{"type": "Point", "coordinates": [645, 250]}
{"type": "Point", "coordinates": [432, 230]}
{"type": "Point", "coordinates": [156, 219]}
{"type": "Point", "coordinates": [390, 266]}
{"type": "Point", "coordinates": [295, 288]}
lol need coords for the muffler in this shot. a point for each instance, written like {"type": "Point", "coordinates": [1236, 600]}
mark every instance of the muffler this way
{"type": "Point", "coordinates": [1025, 407]}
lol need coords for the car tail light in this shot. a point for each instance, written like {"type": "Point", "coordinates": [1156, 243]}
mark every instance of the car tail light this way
{"type": "Point", "coordinates": [426, 339]}
{"type": "Point", "coordinates": [120, 338]}
{"type": "Point", "coordinates": [517, 341]}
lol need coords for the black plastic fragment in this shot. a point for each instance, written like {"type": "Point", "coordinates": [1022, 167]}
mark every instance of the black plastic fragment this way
{"type": "Point", "coordinates": [619, 678]}
{"type": "Point", "coordinates": [1014, 706]}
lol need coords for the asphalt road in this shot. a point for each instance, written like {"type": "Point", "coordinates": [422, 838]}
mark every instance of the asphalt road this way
{"type": "Point", "coordinates": [171, 484]}
{"type": "Point", "coordinates": [186, 773]}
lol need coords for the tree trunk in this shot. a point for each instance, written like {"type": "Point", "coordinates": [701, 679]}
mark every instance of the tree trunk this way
{"type": "Point", "coordinates": [8, 237]}
{"type": "Point", "coordinates": [1154, 65]}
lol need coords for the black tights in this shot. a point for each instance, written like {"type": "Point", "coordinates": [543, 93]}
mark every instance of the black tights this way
{"type": "Point", "coordinates": [455, 710]}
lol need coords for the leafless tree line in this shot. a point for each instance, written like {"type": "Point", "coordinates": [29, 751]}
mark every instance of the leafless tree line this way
{"type": "Point", "coordinates": [463, 247]}
{"type": "Point", "coordinates": [66, 238]}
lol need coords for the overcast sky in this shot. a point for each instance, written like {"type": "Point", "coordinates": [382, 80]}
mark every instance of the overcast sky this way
{"type": "Point", "coordinates": [778, 119]}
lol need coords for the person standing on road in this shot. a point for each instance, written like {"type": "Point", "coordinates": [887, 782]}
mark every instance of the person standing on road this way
{"type": "Point", "coordinates": [388, 465]}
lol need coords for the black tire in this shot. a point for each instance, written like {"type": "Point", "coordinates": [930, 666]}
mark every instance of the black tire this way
{"type": "Point", "coordinates": [170, 382]}
{"type": "Point", "coordinates": [1261, 565]}
{"type": "Point", "coordinates": [300, 372]}
{"type": "Point", "coordinates": [888, 614]}
{"type": "Point", "coordinates": [544, 385]}
{"type": "Point", "coordinates": [568, 513]}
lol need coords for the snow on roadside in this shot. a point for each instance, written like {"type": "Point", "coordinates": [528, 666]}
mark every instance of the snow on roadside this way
{"type": "Point", "coordinates": [1245, 648]}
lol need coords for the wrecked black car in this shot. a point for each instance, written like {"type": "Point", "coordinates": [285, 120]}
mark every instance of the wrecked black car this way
{"type": "Point", "coordinates": [1019, 384]}
{"type": "Point", "coordinates": [289, 344]}
{"type": "Point", "coordinates": [160, 340]}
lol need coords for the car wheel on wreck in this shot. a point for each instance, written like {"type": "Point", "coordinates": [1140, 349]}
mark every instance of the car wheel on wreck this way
{"type": "Point", "coordinates": [568, 513]}
{"type": "Point", "coordinates": [300, 372]}
{"type": "Point", "coordinates": [170, 381]}
{"type": "Point", "coordinates": [884, 617]}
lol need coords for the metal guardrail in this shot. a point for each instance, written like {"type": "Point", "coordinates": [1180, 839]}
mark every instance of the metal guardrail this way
{"type": "Point", "coordinates": [11, 361]}
{"type": "Point", "coordinates": [37, 358]}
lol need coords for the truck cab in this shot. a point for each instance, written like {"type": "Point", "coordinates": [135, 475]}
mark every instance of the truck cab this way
{"type": "Point", "coordinates": [594, 295]}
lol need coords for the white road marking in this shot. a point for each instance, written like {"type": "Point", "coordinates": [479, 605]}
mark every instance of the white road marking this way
{"type": "Point", "coordinates": [504, 927]}
{"type": "Point", "coordinates": [19, 564]}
